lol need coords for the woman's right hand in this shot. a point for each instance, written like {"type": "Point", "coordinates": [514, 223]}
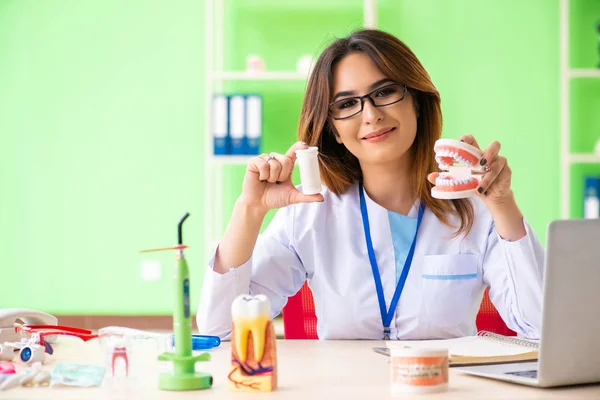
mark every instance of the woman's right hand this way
{"type": "Point", "coordinates": [268, 182]}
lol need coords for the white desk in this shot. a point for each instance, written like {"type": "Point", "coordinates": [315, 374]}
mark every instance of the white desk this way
{"type": "Point", "coordinates": [307, 370]}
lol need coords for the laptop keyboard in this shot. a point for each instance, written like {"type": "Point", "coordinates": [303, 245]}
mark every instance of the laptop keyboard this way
{"type": "Point", "coordinates": [529, 374]}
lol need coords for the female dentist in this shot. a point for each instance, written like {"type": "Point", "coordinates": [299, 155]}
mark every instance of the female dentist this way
{"type": "Point", "coordinates": [383, 258]}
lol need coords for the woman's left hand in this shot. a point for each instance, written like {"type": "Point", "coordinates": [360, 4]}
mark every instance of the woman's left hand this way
{"type": "Point", "coordinates": [494, 186]}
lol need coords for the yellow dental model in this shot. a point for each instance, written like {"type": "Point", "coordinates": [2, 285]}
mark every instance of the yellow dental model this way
{"type": "Point", "coordinates": [253, 351]}
{"type": "Point", "coordinates": [250, 315]}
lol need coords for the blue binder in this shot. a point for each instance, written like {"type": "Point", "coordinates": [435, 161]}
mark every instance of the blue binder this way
{"type": "Point", "coordinates": [237, 124]}
{"type": "Point", "coordinates": [220, 126]}
{"type": "Point", "coordinates": [253, 123]}
{"type": "Point", "coordinates": [591, 197]}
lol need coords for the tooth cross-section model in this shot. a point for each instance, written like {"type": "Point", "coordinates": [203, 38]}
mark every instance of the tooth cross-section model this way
{"type": "Point", "coordinates": [253, 346]}
{"type": "Point", "coordinates": [460, 160]}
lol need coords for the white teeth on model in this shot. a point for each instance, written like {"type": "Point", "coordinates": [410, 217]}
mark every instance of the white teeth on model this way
{"type": "Point", "coordinates": [250, 314]}
{"type": "Point", "coordinates": [452, 154]}
{"type": "Point", "coordinates": [444, 181]}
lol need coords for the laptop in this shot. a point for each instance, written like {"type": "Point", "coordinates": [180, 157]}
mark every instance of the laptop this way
{"type": "Point", "coordinates": [569, 351]}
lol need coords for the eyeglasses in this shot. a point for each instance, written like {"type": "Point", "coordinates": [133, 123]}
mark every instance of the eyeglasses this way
{"type": "Point", "coordinates": [383, 96]}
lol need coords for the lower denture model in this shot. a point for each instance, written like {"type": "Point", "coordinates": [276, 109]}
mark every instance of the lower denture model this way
{"type": "Point", "coordinates": [460, 160]}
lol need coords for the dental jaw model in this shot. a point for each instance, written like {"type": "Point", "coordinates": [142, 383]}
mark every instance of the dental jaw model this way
{"type": "Point", "coordinates": [253, 350]}
{"type": "Point", "coordinates": [461, 160]}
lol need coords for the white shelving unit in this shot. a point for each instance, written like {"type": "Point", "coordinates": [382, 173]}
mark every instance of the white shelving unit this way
{"type": "Point", "coordinates": [566, 75]}
{"type": "Point", "coordinates": [584, 73]}
{"type": "Point", "coordinates": [215, 77]}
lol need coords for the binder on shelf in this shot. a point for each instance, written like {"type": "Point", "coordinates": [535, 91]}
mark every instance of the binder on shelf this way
{"type": "Point", "coordinates": [237, 124]}
{"type": "Point", "coordinates": [220, 125]}
{"type": "Point", "coordinates": [253, 123]}
{"type": "Point", "coordinates": [591, 197]}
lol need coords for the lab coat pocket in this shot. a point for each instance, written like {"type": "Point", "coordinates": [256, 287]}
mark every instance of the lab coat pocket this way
{"type": "Point", "coordinates": [449, 283]}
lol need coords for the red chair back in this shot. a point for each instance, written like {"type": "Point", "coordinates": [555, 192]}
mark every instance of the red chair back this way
{"type": "Point", "coordinates": [489, 320]}
{"type": "Point", "coordinates": [300, 321]}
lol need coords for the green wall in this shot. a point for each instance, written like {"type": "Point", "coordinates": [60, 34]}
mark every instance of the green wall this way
{"type": "Point", "coordinates": [102, 106]}
{"type": "Point", "coordinates": [101, 122]}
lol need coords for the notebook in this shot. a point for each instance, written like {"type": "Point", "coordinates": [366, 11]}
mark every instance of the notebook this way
{"type": "Point", "coordinates": [485, 348]}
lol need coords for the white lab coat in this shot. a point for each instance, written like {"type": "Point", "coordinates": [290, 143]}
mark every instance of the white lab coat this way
{"type": "Point", "coordinates": [324, 243]}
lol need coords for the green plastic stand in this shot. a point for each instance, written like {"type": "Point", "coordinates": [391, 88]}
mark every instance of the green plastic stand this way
{"type": "Point", "coordinates": [184, 376]}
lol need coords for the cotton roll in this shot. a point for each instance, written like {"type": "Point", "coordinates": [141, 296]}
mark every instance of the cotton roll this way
{"type": "Point", "coordinates": [310, 176]}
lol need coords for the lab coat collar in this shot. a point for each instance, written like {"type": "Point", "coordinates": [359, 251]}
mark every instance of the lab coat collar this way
{"type": "Point", "coordinates": [372, 206]}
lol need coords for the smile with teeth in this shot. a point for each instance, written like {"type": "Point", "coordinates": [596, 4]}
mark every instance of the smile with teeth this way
{"type": "Point", "coordinates": [250, 314]}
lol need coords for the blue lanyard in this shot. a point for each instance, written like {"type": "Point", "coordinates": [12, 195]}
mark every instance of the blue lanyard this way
{"type": "Point", "coordinates": [386, 316]}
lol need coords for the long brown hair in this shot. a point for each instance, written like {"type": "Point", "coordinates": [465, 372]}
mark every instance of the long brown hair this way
{"type": "Point", "coordinates": [340, 168]}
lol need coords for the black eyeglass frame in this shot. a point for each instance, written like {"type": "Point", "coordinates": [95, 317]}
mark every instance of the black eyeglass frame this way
{"type": "Point", "coordinates": [368, 96]}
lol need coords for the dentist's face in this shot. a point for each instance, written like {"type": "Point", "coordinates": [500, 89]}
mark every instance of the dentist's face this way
{"type": "Point", "coordinates": [377, 135]}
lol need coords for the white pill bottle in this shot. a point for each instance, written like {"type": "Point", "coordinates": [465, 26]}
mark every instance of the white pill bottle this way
{"type": "Point", "coordinates": [310, 176]}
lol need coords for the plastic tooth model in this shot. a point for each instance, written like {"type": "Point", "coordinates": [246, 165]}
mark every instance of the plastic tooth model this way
{"type": "Point", "coordinates": [117, 341]}
{"type": "Point", "coordinates": [253, 346]}
{"type": "Point", "coordinates": [461, 161]}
